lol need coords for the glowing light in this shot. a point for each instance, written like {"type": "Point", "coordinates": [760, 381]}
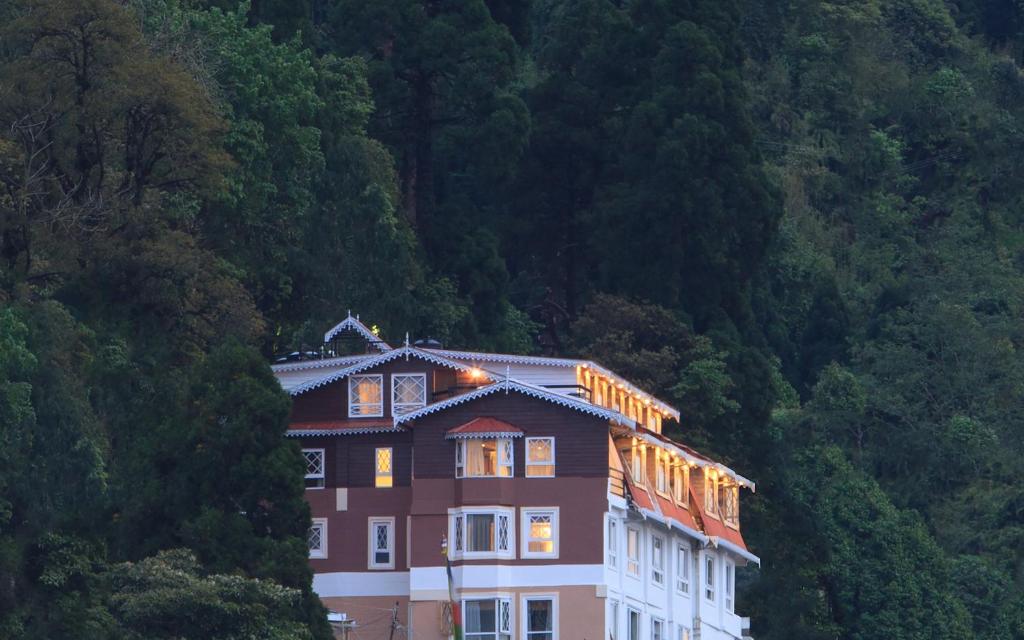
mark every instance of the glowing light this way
{"type": "Point", "coordinates": [475, 373]}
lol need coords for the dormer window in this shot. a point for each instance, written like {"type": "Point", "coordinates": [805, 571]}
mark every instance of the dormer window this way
{"type": "Point", "coordinates": [408, 392]}
{"type": "Point", "coordinates": [637, 455]}
{"type": "Point", "coordinates": [681, 484]}
{"type": "Point", "coordinates": [483, 458]}
{"type": "Point", "coordinates": [365, 396]}
{"type": "Point", "coordinates": [711, 492]}
{"type": "Point", "coordinates": [729, 506]}
{"type": "Point", "coordinates": [661, 471]}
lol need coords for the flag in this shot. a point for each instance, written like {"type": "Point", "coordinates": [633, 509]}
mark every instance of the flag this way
{"type": "Point", "coordinates": [453, 603]}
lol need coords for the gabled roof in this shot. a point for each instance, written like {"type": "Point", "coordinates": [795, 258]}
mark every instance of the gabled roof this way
{"type": "Point", "coordinates": [353, 324]}
{"type": "Point", "coordinates": [324, 363]}
{"type": "Point", "coordinates": [484, 428]}
{"type": "Point", "coordinates": [508, 385]}
{"type": "Point", "coordinates": [508, 358]}
{"type": "Point", "coordinates": [373, 361]}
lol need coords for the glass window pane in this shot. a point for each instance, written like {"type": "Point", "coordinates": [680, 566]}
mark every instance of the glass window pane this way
{"type": "Point", "coordinates": [539, 618]}
{"type": "Point", "coordinates": [481, 616]}
{"type": "Point", "coordinates": [480, 532]}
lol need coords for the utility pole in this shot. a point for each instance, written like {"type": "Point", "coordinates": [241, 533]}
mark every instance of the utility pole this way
{"type": "Point", "coordinates": [394, 622]}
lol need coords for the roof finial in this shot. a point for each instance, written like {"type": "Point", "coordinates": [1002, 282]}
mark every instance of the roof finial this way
{"type": "Point", "coordinates": [350, 313]}
{"type": "Point", "coordinates": [508, 374]}
{"type": "Point", "coordinates": [407, 338]}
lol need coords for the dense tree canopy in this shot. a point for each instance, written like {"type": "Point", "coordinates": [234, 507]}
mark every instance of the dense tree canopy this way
{"type": "Point", "coordinates": [799, 221]}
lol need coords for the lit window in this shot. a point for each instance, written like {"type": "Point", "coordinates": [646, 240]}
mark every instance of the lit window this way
{"type": "Point", "coordinates": [613, 542]}
{"type": "Point", "coordinates": [540, 533]}
{"type": "Point", "coordinates": [729, 505]}
{"type": "Point", "coordinates": [658, 560]}
{"type": "Point", "coordinates": [681, 484]}
{"type": "Point", "coordinates": [381, 543]}
{"type": "Point", "coordinates": [314, 468]}
{"type": "Point", "coordinates": [317, 538]}
{"type": "Point", "coordinates": [633, 552]}
{"type": "Point", "coordinates": [365, 397]}
{"type": "Point", "coordinates": [540, 457]}
{"type": "Point", "coordinates": [709, 578]}
{"type": "Point", "coordinates": [384, 474]}
{"type": "Point", "coordinates": [634, 625]}
{"type": "Point", "coordinates": [683, 570]}
{"type": "Point", "coordinates": [489, 619]}
{"type": "Point", "coordinates": [540, 618]}
{"type": "Point", "coordinates": [661, 460]}
{"type": "Point", "coordinates": [657, 629]}
{"type": "Point", "coordinates": [482, 533]}
{"type": "Point", "coordinates": [637, 462]}
{"type": "Point", "coordinates": [483, 458]}
{"type": "Point", "coordinates": [730, 587]}
{"type": "Point", "coordinates": [710, 491]}
{"type": "Point", "coordinates": [408, 392]}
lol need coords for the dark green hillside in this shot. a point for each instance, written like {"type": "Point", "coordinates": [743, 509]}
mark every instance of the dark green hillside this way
{"type": "Point", "coordinates": [801, 222]}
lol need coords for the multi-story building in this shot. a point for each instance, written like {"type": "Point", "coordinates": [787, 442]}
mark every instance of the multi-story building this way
{"type": "Point", "coordinates": [566, 513]}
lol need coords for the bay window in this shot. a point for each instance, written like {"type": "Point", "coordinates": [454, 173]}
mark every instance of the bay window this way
{"type": "Point", "coordinates": [483, 458]}
{"type": "Point", "coordinates": [489, 619]}
{"type": "Point", "coordinates": [481, 533]}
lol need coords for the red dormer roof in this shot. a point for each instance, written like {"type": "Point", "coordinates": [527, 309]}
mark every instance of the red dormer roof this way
{"type": "Point", "coordinates": [484, 428]}
{"type": "Point", "coordinates": [714, 527]}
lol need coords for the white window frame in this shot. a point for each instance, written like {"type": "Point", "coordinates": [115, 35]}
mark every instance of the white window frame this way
{"type": "Point", "coordinates": [458, 540]}
{"type": "Point", "coordinates": [661, 471]}
{"type": "Point", "coordinates": [684, 632]}
{"type": "Point", "coordinates": [406, 406]}
{"type": "Point", "coordinates": [612, 542]}
{"type": "Point", "coordinates": [711, 492]}
{"type": "Point", "coordinates": [633, 562]}
{"type": "Point", "coordinates": [532, 465]}
{"type": "Point", "coordinates": [638, 463]}
{"type": "Point", "coordinates": [681, 486]}
{"type": "Point", "coordinates": [320, 523]}
{"type": "Point", "coordinates": [630, 614]}
{"type": "Point", "coordinates": [658, 561]}
{"type": "Point", "coordinates": [682, 570]}
{"type": "Point", "coordinates": [371, 543]}
{"type": "Point", "coordinates": [729, 584]}
{"type": "Point", "coordinates": [524, 616]}
{"type": "Point", "coordinates": [613, 615]}
{"type": "Point", "coordinates": [353, 382]}
{"type": "Point", "coordinates": [524, 519]}
{"type": "Point", "coordinates": [389, 475]}
{"type": "Point", "coordinates": [319, 478]}
{"type": "Point", "coordinates": [503, 617]}
{"type": "Point", "coordinates": [710, 567]}
{"type": "Point", "coordinates": [657, 629]}
{"type": "Point", "coordinates": [505, 449]}
{"type": "Point", "coordinates": [731, 499]}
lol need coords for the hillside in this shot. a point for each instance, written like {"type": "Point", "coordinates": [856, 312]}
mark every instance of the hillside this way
{"type": "Point", "coordinates": [801, 222]}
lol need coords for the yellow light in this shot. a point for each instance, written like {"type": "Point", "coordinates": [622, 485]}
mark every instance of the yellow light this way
{"type": "Point", "coordinates": [475, 373]}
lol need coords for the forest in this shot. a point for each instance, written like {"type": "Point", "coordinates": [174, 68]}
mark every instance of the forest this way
{"type": "Point", "coordinates": [799, 221]}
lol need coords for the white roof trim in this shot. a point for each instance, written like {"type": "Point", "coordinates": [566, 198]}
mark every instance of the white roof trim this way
{"type": "Point", "coordinates": [483, 435]}
{"type": "Point", "coordinates": [298, 433]}
{"type": "Point", "coordinates": [700, 462]}
{"type": "Point", "coordinates": [369, 363]}
{"type": "Point", "coordinates": [506, 358]}
{"type": "Point", "coordinates": [323, 363]}
{"type": "Point", "coordinates": [734, 548]}
{"type": "Point", "coordinates": [520, 387]}
{"type": "Point", "coordinates": [355, 325]}
{"type": "Point", "coordinates": [672, 523]}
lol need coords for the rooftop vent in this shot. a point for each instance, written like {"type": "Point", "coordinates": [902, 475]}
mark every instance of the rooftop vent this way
{"type": "Point", "coordinates": [428, 343]}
